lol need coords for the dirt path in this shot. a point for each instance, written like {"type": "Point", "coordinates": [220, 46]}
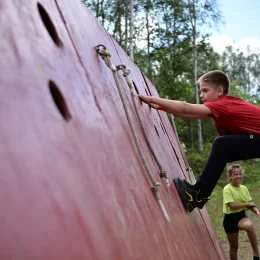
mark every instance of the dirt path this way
{"type": "Point", "coordinates": [245, 251]}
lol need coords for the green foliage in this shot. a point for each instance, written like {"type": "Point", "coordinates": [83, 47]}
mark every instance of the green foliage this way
{"type": "Point", "coordinates": [215, 210]}
{"type": "Point", "coordinates": [251, 168]}
{"type": "Point", "coordinates": [244, 73]}
{"type": "Point", "coordinates": [163, 49]}
{"type": "Point", "coordinates": [198, 160]}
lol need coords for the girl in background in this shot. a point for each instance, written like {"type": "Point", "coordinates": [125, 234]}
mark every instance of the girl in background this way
{"type": "Point", "coordinates": [236, 200]}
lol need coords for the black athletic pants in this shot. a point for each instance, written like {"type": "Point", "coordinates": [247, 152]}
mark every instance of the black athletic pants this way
{"type": "Point", "coordinates": [226, 149]}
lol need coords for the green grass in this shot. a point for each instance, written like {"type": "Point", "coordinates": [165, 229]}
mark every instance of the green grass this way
{"type": "Point", "coordinates": [215, 210]}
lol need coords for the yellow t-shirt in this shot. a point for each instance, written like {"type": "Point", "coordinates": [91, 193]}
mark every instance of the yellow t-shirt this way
{"type": "Point", "coordinates": [235, 194]}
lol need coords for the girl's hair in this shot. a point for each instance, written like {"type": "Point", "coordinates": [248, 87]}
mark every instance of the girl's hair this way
{"type": "Point", "coordinates": [230, 170]}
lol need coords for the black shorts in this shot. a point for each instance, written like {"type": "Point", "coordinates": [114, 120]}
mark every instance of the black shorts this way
{"type": "Point", "coordinates": [230, 221]}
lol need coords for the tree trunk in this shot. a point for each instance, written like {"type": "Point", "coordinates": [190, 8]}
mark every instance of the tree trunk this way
{"type": "Point", "coordinates": [148, 41]}
{"type": "Point", "coordinates": [131, 29]}
{"type": "Point", "coordinates": [191, 142]}
{"type": "Point", "coordinates": [102, 13]}
{"type": "Point", "coordinates": [126, 25]}
{"type": "Point", "coordinates": [199, 130]}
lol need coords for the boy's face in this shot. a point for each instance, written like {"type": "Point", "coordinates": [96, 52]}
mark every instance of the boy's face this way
{"type": "Point", "coordinates": [210, 93]}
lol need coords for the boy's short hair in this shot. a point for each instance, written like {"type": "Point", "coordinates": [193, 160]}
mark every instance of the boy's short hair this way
{"type": "Point", "coordinates": [231, 168]}
{"type": "Point", "coordinates": [216, 78]}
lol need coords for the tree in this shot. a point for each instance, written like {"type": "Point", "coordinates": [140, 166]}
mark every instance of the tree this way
{"type": "Point", "coordinates": [167, 38]}
{"type": "Point", "coordinates": [100, 8]}
{"type": "Point", "coordinates": [131, 29]}
{"type": "Point", "coordinates": [243, 70]}
{"type": "Point", "coordinates": [200, 12]}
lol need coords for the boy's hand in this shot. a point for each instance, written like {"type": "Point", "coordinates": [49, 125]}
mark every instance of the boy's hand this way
{"type": "Point", "coordinates": [147, 100]}
{"type": "Point", "coordinates": [158, 107]}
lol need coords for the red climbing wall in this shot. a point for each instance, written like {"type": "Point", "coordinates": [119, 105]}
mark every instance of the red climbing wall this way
{"type": "Point", "coordinates": [72, 184]}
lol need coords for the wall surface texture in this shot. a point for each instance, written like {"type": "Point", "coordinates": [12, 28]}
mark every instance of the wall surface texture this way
{"type": "Point", "coordinates": [72, 184]}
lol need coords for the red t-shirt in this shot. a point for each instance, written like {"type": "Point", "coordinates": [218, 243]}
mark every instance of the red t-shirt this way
{"type": "Point", "coordinates": [235, 116]}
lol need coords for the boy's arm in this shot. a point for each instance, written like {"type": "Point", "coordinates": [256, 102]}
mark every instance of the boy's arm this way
{"type": "Point", "coordinates": [192, 116]}
{"type": "Point", "coordinates": [177, 108]}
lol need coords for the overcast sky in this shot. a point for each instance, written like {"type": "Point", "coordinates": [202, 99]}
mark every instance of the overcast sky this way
{"type": "Point", "coordinates": [242, 25]}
